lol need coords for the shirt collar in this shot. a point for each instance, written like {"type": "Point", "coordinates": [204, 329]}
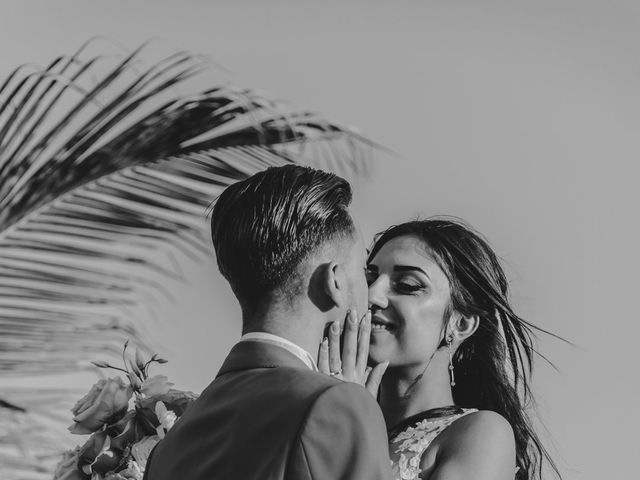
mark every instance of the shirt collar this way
{"type": "Point", "coordinates": [298, 351]}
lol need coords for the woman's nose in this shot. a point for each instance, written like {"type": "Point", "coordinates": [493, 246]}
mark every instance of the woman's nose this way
{"type": "Point", "coordinates": [378, 295]}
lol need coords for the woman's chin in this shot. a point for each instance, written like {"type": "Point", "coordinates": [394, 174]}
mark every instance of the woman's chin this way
{"type": "Point", "coordinates": [378, 354]}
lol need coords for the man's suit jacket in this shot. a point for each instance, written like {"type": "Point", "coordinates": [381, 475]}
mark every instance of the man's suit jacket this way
{"type": "Point", "coordinates": [267, 416]}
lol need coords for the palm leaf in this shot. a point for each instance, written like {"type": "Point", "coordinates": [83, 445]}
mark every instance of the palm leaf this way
{"type": "Point", "coordinates": [31, 441]}
{"type": "Point", "coordinates": [92, 184]}
{"type": "Point", "coordinates": [105, 176]}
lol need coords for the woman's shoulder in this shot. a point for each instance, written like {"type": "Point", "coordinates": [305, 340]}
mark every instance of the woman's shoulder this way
{"type": "Point", "coordinates": [483, 428]}
{"type": "Point", "coordinates": [479, 439]}
{"type": "Point", "coordinates": [484, 421]}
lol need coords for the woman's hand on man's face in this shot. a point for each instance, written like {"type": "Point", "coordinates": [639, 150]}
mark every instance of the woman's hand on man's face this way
{"type": "Point", "coordinates": [351, 366]}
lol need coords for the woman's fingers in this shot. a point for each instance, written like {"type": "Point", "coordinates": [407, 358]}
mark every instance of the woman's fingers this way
{"type": "Point", "coordinates": [374, 378]}
{"type": "Point", "coordinates": [335, 364]}
{"type": "Point", "coordinates": [350, 346]}
{"type": "Point", "coordinates": [323, 357]}
{"type": "Point", "coordinates": [364, 335]}
{"type": "Point", "coordinates": [349, 360]}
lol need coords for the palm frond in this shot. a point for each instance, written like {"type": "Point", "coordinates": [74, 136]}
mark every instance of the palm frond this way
{"type": "Point", "coordinates": [105, 175]}
{"type": "Point", "coordinates": [31, 439]}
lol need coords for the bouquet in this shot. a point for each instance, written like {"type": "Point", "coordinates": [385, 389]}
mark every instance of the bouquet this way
{"type": "Point", "coordinates": [125, 420]}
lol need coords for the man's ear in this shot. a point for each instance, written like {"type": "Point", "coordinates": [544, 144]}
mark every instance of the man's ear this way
{"type": "Point", "coordinates": [461, 327]}
{"type": "Point", "coordinates": [334, 284]}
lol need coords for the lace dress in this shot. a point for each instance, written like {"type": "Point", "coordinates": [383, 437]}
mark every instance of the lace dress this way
{"type": "Point", "coordinates": [409, 440]}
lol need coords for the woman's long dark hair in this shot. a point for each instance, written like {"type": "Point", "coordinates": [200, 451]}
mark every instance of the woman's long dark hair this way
{"type": "Point", "coordinates": [493, 366]}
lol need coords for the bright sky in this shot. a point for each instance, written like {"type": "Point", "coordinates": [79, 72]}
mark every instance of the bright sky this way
{"type": "Point", "coordinates": [520, 117]}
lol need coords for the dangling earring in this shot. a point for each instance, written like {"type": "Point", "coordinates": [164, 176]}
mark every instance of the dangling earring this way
{"type": "Point", "coordinates": [449, 344]}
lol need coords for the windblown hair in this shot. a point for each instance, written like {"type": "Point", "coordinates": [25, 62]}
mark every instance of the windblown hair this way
{"type": "Point", "coordinates": [493, 366]}
{"type": "Point", "coordinates": [263, 227]}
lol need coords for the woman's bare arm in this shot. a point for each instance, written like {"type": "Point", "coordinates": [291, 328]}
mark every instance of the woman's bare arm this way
{"type": "Point", "coordinates": [480, 446]}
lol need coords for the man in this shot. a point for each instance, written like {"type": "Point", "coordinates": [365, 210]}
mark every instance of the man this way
{"type": "Point", "coordinates": [285, 241]}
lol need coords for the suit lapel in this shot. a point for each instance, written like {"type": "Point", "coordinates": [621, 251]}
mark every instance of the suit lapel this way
{"type": "Point", "coordinates": [251, 354]}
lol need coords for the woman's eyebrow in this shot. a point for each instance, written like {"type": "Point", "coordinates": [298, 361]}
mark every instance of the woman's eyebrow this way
{"type": "Point", "coordinates": [410, 268]}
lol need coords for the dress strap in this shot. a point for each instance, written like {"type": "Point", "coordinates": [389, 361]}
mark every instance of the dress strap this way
{"type": "Point", "coordinates": [431, 414]}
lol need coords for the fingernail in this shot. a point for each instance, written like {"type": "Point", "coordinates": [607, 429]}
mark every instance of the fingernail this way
{"type": "Point", "coordinates": [335, 327]}
{"type": "Point", "coordinates": [353, 317]}
{"type": "Point", "coordinates": [366, 321]}
{"type": "Point", "coordinates": [325, 343]}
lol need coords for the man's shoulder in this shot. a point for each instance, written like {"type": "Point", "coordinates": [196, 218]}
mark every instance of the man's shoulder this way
{"type": "Point", "coordinates": [267, 388]}
{"type": "Point", "coordinates": [278, 409]}
{"type": "Point", "coordinates": [299, 378]}
{"type": "Point", "coordinates": [306, 380]}
{"type": "Point", "coordinates": [344, 424]}
{"type": "Point", "coordinates": [343, 396]}
{"type": "Point", "coordinates": [293, 392]}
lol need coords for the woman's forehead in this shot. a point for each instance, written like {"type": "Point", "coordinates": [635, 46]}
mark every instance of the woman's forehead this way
{"type": "Point", "coordinates": [406, 248]}
{"type": "Point", "coordinates": [412, 251]}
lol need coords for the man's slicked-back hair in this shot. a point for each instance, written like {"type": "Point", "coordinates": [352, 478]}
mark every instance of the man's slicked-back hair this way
{"type": "Point", "coordinates": [264, 226]}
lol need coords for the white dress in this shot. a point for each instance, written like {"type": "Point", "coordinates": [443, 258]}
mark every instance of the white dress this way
{"type": "Point", "coordinates": [408, 443]}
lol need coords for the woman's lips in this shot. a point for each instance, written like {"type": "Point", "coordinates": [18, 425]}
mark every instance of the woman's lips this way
{"type": "Point", "coordinates": [381, 324]}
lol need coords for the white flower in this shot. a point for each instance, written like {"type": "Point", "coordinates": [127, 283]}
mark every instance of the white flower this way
{"type": "Point", "coordinates": [166, 418]}
{"type": "Point", "coordinates": [133, 471]}
{"type": "Point", "coordinates": [156, 385]}
{"type": "Point", "coordinates": [68, 466]}
{"type": "Point", "coordinates": [105, 399]}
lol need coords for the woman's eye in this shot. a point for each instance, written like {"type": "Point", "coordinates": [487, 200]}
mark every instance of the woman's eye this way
{"type": "Point", "coordinates": [407, 287]}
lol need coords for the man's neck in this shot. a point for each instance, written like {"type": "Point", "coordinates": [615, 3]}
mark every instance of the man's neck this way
{"type": "Point", "coordinates": [305, 329]}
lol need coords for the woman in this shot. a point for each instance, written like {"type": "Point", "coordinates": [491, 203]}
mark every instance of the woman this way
{"type": "Point", "coordinates": [459, 358]}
